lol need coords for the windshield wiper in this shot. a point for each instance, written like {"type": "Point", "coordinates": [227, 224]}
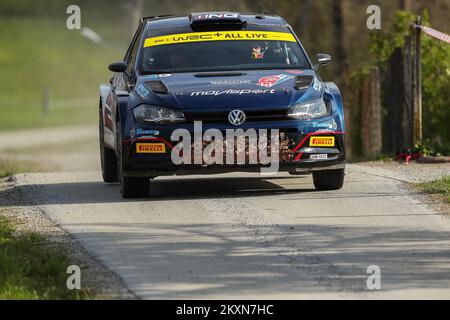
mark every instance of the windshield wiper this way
{"type": "Point", "coordinates": [219, 74]}
{"type": "Point", "coordinates": [147, 73]}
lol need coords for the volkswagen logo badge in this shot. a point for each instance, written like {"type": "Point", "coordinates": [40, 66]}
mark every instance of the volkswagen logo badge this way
{"type": "Point", "coordinates": [237, 117]}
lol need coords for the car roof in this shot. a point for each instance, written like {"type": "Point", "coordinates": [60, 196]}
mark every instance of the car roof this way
{"type": "Point", "coordinates": [175, 21]}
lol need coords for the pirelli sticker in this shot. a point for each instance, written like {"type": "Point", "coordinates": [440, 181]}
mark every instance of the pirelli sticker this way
{"type": "Point", "coordinates": [150, 148]}
{"type": "Point", "coordinates": [219, 36]}
{"type": "Point", "coordinates": [322, 142]}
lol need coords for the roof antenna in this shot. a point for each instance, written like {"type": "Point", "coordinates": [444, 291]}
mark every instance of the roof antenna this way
{"type": "Point", "coordinates": [261, 9]}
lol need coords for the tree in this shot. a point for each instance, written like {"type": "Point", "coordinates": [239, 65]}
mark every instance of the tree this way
{"type": "Point", "coordinates": [406, 5]}
{"type": "Point", "coordinates": [339, 40]}
{"type": "Point", "coordinates": [135, 8]}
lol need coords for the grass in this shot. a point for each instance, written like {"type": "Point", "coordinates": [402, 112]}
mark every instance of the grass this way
{"type": "Point", "coordinates": [31, 117]}
{"type": "Point", "coordinates": [441, 186]}
{"type": "Point", "coordinates": [31, 268]}
{"type": "Point", "coordinates": [9, 168]}
{"type": "Point", "coordinates": [57, 147]}
{"type": "Point", "coordinates": [40, 54]}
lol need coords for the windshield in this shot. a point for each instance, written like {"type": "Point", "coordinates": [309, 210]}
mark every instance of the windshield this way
{"type": "Point", "coordinates": [195, 53]}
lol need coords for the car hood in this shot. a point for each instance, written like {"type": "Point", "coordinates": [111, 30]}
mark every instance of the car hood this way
{"type": "Point", "coordinates": [247, 90]}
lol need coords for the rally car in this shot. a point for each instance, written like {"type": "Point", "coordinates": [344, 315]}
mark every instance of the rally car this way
{"type": "Point", "coordinates": [225, 71]}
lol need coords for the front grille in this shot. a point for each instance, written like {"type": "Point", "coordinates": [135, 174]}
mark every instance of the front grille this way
{"type": "Point", "coordinates": [287, 141]}
{"type": "Point", "coordinates": [222, 117]}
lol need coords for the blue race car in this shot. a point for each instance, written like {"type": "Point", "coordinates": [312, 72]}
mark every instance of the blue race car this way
{"type": "Point", "coordinates": [188, 81]}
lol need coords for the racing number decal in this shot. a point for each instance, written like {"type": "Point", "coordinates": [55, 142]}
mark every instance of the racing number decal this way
{"type": "Point", "coordinates": [219, 36]}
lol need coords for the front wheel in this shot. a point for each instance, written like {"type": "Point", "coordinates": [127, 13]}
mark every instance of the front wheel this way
{"type": "Point", "coordinates": [329, 180]}
{"type": "Point", "coordinates": [132, 188]}
{"type": "Point", "coordinates": [108, 158]}
{"type": "Point", "coordinates": [109, 165]}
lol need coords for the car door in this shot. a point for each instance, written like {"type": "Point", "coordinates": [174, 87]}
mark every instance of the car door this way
{"type": "Point", "coordinates": [121, 86]}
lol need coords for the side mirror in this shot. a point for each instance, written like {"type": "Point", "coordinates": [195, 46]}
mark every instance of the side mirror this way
{"type": "Point", "coordinates": [322, 60]}
{"type": "Point", "coordinates": [118, 67]}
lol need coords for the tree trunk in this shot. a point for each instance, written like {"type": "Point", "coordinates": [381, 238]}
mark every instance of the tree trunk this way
{"type": "Point", "coordinates": [371, 123]}
{"type": "Point", "coordinates": [137, 8]}
{"type": "Point", "coordinates": [406, 5]}
{"type": "Point", "coordinates": [339, 40]}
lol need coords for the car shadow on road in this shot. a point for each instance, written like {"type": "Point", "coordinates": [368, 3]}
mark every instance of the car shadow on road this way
{"type": "Point", "coordinates": [90, 192]}
{"type": "Point", "coordinates": [161, 190]}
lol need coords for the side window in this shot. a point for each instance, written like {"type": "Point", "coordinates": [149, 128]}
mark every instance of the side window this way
{"type": "Point", "coordinates": [133, 50]}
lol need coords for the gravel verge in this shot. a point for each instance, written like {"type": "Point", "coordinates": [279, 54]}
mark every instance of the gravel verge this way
{"type": "Point", "coordinates": [103, 283]}
{"type": "Point", "coordinates": [412, 174]}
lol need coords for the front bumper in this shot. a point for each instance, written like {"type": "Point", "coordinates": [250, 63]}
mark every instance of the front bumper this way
{"type": "Point", "coordinates": [296, 155]}
{"type": "Point", "coordinates": [153, 171]}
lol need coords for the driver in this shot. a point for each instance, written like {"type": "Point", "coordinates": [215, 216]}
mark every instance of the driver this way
{"type": "Point", "coordinates": [177, 58]}
{"type": "Point", "coordinates": [259, 50]}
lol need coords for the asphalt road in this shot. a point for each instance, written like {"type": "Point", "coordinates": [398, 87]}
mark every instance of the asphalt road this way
{"type": "Point", "coordinates": [242, 237]}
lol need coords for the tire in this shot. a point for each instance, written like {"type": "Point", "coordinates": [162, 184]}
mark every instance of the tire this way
{"type": "Point", "coordinates": [130, 187]}
{"type": "Point", "coordinates": [329, 180]}
{"type": "Point", "coordinates": [108, 158]}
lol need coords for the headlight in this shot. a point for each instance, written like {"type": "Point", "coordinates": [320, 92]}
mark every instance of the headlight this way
{"type": "Point", "coordinates": [155, 114]}
{"type": "Point", "coordinates": [308, 110]}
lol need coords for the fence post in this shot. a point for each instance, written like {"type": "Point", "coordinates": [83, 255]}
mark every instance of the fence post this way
{"type": "Point", "coordinates": [393, 96]}
{"type": "Point", "coordinates": [377, 138]}
{"type": "Point", "coordinates": [409, 92]}
{"type": "Point", "coordinates": [418, 81]}
{"type": "Point", "coordinates": [371, 122]}
{"type": "Point", "coordinates": [45, 101]}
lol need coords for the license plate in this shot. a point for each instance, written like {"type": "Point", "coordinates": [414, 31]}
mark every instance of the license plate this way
{"type": "Point", "coordinates": [318, 157]}
{"type": "Point", "coordinates": [322, 142]}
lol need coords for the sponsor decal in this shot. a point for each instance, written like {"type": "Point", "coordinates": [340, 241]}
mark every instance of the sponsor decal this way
{"type": "Point", "coordinates": [141, 132]}
{"type": "Point", "coordinates": [322, 142]}
{"type": "Point", "coordinates": [209, 16]}
{"type": "Point", "coordinates": [319, 157]}
{"type": "Point", "coordinates": [150, 148]}
{"type": "Point", "coordinates": [295, 71]}
{"type": "Point", "coordinates": [142, 90]}
{"type": "Point", "coordinates": [257, 53]}
{"type": "Point", "coordinates": [231, 92]}
{"type": "Point", "coordinates": [133, 133]}
{"type": "Point", "coordinates": [219, 36]}
{"type": "Point", "coordinates": [230, 82]}
{"type": "Point", "coordinates": [271, 81]}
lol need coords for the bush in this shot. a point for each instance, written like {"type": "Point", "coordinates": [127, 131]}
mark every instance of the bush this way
{"type": "Point", "coordinates": [429, 149]}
